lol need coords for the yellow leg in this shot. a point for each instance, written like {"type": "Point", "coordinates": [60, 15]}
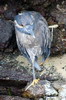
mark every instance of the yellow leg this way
{"type": "Point", "coordinates": [42, 64]}
{"type": "Point", "coordinates": [42, 73]}
{"type": "Point", "coordinates": [35, 81]}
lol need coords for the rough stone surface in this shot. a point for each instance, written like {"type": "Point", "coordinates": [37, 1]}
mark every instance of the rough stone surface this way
{"type": "Point", "coordinates": [41, 2]}
{"type": "Point", "coordinates": [6, 34]}
{"type": "Point", "coordinates": [10, 72]}
{"type": "Point", "coordinates": [33, 2]}
{"type": "Point", "coordinates": [57, 84]}
{"type": "Point", "coordinates": [43, 87]}
{"type": "Point", "coordinates": [62, 92]}
{"type": "Point", "coordinates": [58, 16]}
{"type": "Point", "coordinates": [4, 97]}
{"type": "Point", "coordinates": [49, 90]}
{"type": "Point", "coordinates": [60, 13]}
{"type": "Point", "coordinates": [40, 98]}
{"type": "Point", "coordinates": [10, 14]}
{"type": "Point", "coordinates": [11, 88]}
{"type": "Point", "coordinates": [59, 41]}
{"type": "Point", "coordinates": [52, 98]}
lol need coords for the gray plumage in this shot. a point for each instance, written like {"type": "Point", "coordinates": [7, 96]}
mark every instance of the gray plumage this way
{"type": "Point", "coordinates": [33, 36]}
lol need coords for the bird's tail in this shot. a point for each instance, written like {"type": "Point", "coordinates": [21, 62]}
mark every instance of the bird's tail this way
{"type": "Point", "coordinates": [36, 65]}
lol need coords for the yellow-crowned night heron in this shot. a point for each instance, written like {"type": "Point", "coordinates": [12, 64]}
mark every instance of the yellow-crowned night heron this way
{"type": "Point", "coordinates": [33, 37]}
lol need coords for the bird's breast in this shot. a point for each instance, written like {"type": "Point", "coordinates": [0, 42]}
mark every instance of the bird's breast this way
{"type": "Point", "coordinates": [25, 39]}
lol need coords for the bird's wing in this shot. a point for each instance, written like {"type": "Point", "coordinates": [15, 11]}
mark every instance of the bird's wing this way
{"type": "Point", "coordinates": [44, 36]}
{"type": "Point", "coordinates": [46, 45]}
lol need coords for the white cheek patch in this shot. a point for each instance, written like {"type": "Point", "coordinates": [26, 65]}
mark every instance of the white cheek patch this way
{"type": "Point", "coordinates": [16, 24]}
{"type": "Point", "coordinates": [20, 13]}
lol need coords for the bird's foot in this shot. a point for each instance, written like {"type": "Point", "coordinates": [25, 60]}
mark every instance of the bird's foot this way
{"type": "Point", "coordinates": [41, 64]}
{"type": "Point", "coordinates": [35, 81]}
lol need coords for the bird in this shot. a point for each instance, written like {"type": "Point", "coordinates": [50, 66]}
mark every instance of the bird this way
{"type": "Point", "coordinates": [33, 37]}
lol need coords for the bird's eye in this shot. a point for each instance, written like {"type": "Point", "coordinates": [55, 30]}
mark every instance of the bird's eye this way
{"type": "Point", "coordinates": [22, 25]}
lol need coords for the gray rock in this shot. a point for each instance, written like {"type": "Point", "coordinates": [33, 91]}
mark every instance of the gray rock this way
{"type": "Point", "coordinates": [52, 98]}
{"type": "Point", "coordinates": [13, 73]}
{"type": "Point", "coordinates": [62, 92]}
{"type": "Point", "coordinates": [58, 16]}
{"type": "Point", "coordinates": [10, 14]}
{"type": "Point", "coordinates": [6, 34]}
{"type": "Point", "coordinates": [41, 99]}
{"type": "Point", "coordinates": [60, 13]}
{"type": "Point", "coordinates": [43, 87]}
{"type": "Point", "coordinates": [4, 97]}
{"type": "Point", "coordinates": [58, 84]}
{"type": "Point", "coordinates": [39, 2]}
{"type": "Point", "coordinates": [59, 40]}
{"type": "Point", "coordinates": [49, 90]}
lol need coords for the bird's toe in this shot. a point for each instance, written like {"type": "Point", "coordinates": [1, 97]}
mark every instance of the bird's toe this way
{"type": "Point", "coordinates": [34, 82]}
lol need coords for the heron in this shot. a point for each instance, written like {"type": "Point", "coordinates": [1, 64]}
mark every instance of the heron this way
{"type": "Point", "coordinates": [33, 37]}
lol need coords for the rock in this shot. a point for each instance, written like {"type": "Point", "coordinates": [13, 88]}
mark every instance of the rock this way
{"type": "Point", "coordinates": [13, 73]}
{"type": "Point", "coordinates": [10, 89]}
{"type": "Point", "coordinates": [41, 99]}
{"type": "Point", "coordinates": [58, 16]}
{"type": "Point", "coordinates": [4, 97]}
{"type": "Point", "coordinates": [52, 98]}
{"type": "Point", "coordinates": [58, 84]}
{"type": "Point", "coordinates": [59, 41]}
{"type": "Point", "coordinates": [32, 2]}
{"type": "Point", "coordinates": [59, 13]}
{"type": "Point", "coordinates": [1, 10]}
{"type": "Point", "coordinates": [49, 90]}
{"type": "Point", "coordinates": [42, 88]}
{"type": "Point", "coordinates": [62, 92]}
{"type": "Point", "coordinates": [34, 91]}
{"type": "Point", "coordinates": [40, 2]}
{"type": "Point", "coordinates": [6, 34]}
{"type": "Point", "coordinates": [10, 14]}
{"type": "Point", "coordinates": [40, 9]}
{"type": "Point", "coordinates": [13, 79]}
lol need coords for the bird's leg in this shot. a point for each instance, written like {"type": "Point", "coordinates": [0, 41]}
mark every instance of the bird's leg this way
{"type": "Point", "coordinates": [34, 77]}
{"type": "Point", "coordinates": [43, 70]}
{"type": "Point", "coordinates": [35, 81]}
{"type": "Point", "coordinates": [41, 64]}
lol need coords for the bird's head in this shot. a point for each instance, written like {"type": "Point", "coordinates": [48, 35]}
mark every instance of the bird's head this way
{"type": "Point", "coordinates": [24, 23]}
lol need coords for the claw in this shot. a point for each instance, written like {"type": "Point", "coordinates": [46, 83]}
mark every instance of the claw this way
{"type": "Point", "coordinates": [35, 81]}
{"type": "Point", "coordinates": [42, 64]}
